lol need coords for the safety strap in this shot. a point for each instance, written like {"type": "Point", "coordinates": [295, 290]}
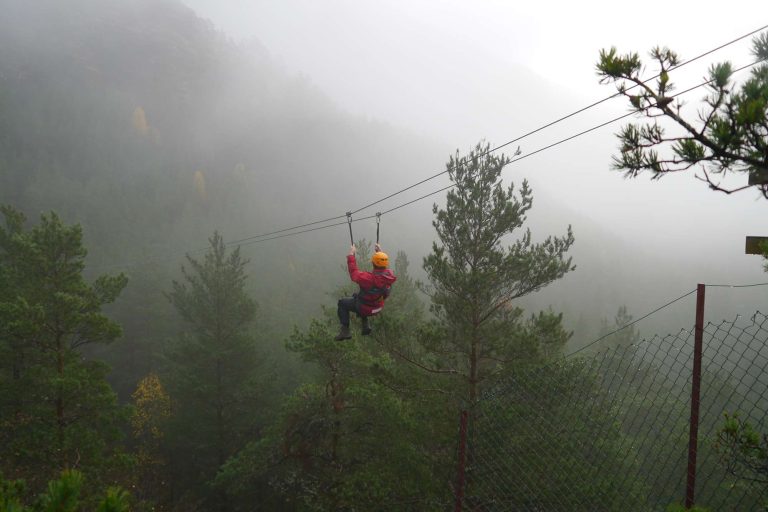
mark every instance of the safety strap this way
{"type": "Point", "coordinates": [349, 223]}
{"type": "Point", "coordinates": [372, 296]}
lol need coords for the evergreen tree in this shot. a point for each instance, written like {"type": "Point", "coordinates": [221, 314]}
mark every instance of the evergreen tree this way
{"type": "Point", "coordinates": [729, 135]}
{"type": "Point", "coordinates": [476, 275]}
{"type": "Point", "coordinates": [627, 334]}
{"type": "Point", "coordinates": [57, 409]}
{"type": "Point", "coordinates": [62, 495]}
{"type": "Point", "coordinates": [743, 451]}
{"type": "Point", "coordinates": [212, 368]}
{"type": "Point", "coordinates": [358, 435]}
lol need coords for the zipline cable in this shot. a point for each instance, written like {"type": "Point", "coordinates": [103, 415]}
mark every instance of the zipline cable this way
{"type": "Point", "coordinates": [286, 232]}
{"type": "Point", "coordinates": [251, 242]}
{"type": "Point", "coordinates": [561, 141]}
{"type": "Point", "coordinates": [632, 112]}
{"type": "Point", "coordinates": [285, 229]}
{"type": "Point", "coordinates": [563, 118]}
{"type": "Point", "coordinates": [516, 139]}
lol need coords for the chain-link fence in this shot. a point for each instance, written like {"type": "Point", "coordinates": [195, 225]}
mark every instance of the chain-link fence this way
{"type": "Point", "coordinates": [610, 431]}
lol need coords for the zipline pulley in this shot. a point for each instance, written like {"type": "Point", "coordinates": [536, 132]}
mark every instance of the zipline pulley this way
{"type": "Point", "coordinates": [378, 227]}
{"type": "Point", "coordinates": [349, 223]}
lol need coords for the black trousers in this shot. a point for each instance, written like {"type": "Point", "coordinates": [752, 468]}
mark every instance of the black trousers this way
{"type": "Point", "coordinates": [346, 306]}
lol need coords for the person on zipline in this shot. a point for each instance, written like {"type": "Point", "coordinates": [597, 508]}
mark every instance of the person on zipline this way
{"type": "Point", "coordinates": [374, 289]}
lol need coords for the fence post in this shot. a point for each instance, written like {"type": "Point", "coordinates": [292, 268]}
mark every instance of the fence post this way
{"type": "Point", "coordinates": [693, 437]}
{"type": "Point", "coordinates": [460, 480]}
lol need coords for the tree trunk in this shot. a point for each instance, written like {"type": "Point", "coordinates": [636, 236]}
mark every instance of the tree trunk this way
{"type": "Point", "coordinates": [337, 406]}
{"type": "Point", "coordinates": [18, 365]}
{"type": "Point", "coordinates": [60, 401]}
{"type": "Point", "coordinates": [220, 449]}
{"type": "Point", "coordinates": [473, 364]}
{"type": "Point", "coordinates": [219, 416]}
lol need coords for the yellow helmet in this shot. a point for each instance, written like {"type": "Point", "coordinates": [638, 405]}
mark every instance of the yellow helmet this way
{"type": "Point", "coordinates": [380, 259]}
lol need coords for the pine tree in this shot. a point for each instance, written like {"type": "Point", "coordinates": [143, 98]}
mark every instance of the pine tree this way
{"type": "Point", "coordinates": [359, 434]}
{"type": "Point", "coordinates": [57, 407]}
{"type": "Point", "coordinates": [476, 274]}
{"type": "Point", "coordinates": [61, 495]}
{"type": "Point", "coordinates": [730, 133]}
{"type": "Point", "coordinates": [626, 334]}
{"type": "Point", "coordinates": [212, 367]}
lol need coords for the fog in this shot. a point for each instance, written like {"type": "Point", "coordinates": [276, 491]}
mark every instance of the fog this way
{"type": "Point", "coordinates": [326, 107]}
{"type": "Point", "coordinates": [154, 123]}
{"type": "Point", "coordinates": [455, 72]}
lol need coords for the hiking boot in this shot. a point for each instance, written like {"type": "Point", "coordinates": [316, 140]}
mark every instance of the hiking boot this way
{"type": "Point", "coordinates": [366, 328]}
{"type": "Point", "coordinates": [344, 333]}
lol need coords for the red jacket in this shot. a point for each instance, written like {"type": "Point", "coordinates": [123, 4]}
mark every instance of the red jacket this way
{"type": "Point", "coordinates": [374, 287]}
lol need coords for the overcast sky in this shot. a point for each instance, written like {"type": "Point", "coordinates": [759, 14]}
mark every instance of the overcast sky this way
{"type": "Point", "coordinates": [411, 61]}
{"type": "Point", "coordinates": [457, 71]}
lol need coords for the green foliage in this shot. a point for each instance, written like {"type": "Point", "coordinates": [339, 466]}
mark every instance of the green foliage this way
{"type": "Point", "coordinates": [730, 134]}
{"type": "Point", "coordinates": [627, 334]}
{"type": "Point", "coordinates": [536, 447]}
{"type": "Point", "coordinates": [61, 495]}
{"type": "Point", "coordinates": [11, 495]}
{"type": "Point", "coordinates": [743, 450]}
{"type": "Point", "coordinates": [475, 276]}
{"type": "Point", "coordinates": [612, 65]}
{"type": "Point", "coordinates": [57, 407]}
{"type": "Point", "coordinates": [116, 500]}
{"type": "Point", "coordinates": [764, 249]}
{"type": "Point", "coordinates": [212, 369]}
{"type": "Point", "coordinates": [362, 434]}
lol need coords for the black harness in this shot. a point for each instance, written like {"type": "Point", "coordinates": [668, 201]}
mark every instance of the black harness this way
{"type": "Point", "coordinates": [373, 296]}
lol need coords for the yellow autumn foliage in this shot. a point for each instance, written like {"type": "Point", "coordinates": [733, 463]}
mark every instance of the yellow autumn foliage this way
{"type": "Point", "coordinates": [140, 121]}
{"type": "Point", "coordinates": [152, 408]}
{"type": "Point", "coordinates": [199, 181]}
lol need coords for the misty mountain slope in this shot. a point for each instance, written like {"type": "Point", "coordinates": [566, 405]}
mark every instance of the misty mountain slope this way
{"type": "Point", "coordinates": [148, 127]}
{"type": "Point", "coordinates": [142, 111]}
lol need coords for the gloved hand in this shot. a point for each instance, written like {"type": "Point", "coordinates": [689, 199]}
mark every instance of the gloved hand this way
{"type": "Point", "coordinates": [377, 248]}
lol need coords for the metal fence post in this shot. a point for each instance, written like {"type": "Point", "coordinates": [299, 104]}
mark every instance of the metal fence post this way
{"type": "Point", "coordinates": [693, 437]}
{"type": "Point", "coordinates": [460, 478]}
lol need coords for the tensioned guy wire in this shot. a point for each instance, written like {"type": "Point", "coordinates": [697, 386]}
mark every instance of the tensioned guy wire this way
{"type": "Point", "coordinates": [659, 309]}
{"type": "Point", "coordinates": [633, 322]}
{"type": "Point", "coordinates": [735, 285]}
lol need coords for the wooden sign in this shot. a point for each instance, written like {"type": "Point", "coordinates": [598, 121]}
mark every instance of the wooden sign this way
{"type": "Point", "coordinates": [758, 177]}
{"type": "Point", "coordinates": [753, 244]}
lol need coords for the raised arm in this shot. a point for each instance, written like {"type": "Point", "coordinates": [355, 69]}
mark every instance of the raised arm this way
{"type": "Point", "coordinates": [364, 279]}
